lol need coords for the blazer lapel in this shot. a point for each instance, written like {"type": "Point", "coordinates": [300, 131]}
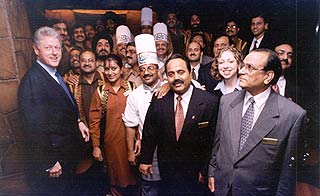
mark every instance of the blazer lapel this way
{"type": "Point", "coordinates": [235, 116]}
{"type": "Point", "coordinates": [169, 121]}
{"type": "Point", "coordinates": [264, 124]}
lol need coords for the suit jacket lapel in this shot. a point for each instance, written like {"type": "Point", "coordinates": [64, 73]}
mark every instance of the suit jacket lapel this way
{"type": "Point", "coordinates": [54, 84]}
{"type": "Point", "coordinates": [192, 113]}
{"type": "Point", "coordinates": [169, 114]}
{"type": "Point", "coordinates": [264, 124]}
{"type": "Point", "coordinates": [235, 122]}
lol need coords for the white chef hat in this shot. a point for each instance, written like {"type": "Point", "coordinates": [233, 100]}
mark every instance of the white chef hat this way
{"type": "Point", "coordinates": [146, 49]}
{"type": "Point", "coordinates": [146, 16]}
{"type": "Point", "coordinates": [123, 34]}
{"type": "Point", "coordinates": [160, 32]}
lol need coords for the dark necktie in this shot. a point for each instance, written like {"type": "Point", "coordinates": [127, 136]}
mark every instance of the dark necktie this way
{"type": "Point", "coordinates": [255, 45]}
{"type": "Point", "coordinates": [246, 124]}
{"type": "Point", "coordinates": [194, 77]}
{"type": "Point", "coordinates": [64, 86]}
{"type": "Point", "coordinates": [179, 118]}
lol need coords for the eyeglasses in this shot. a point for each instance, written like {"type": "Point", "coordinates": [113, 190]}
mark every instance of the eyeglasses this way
{"type": "Point", "coordinates": [249, 68]}
{"type": "Point", "coordinates": [149, 68]}
{"type": "Point", "coordinates": [231, 26]}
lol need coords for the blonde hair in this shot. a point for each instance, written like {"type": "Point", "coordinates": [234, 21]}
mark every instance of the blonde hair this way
{"type": "Point", "coordinates": [214, 66]}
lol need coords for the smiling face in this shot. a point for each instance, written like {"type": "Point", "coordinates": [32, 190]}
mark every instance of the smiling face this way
{"type": "Point", "coordinates": [172, 20]}
{"type": "Point", "coordinates": [78, 35]}
{"type": "Point", "coordinates": [88, 62]}
{"type": "Point", "coordinates": [112, 71]}
{"type": "Point", "coordinates": [89, 31]}
{"type": "Point", "coordinates": [232, 29]}
{"type": "Point", "coordinates": [258, 27]}
{"type": "Point", "coordinates": [194, 52]}
{"type": "Point", "coordinates": [285, 54]}
{"type": "Point", "coordinates": [162, 48]}
{"type": "Point", "coordinates": [121, 49]}
{"type": "Point", "coordinates": [149, 74]}
{"type": "Point", "coordinates": [62, 30]}
{"type": "Point", "coordinates": [220, 43]}
{"type": "Point", "coordinates": [103, 47]}
{"type": "Point", "coordinates": [227, 65]}
{"type": "Point", "coordinates": [178, 75]}
{"type": "Point", "coordinates": [74, 58]}
{"type": "Point", "coordinates": [49, 51]}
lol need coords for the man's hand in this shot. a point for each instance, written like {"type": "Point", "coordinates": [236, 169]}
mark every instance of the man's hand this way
{"type": "Point", "coordinates": [162, 90]}
{"type": "Point", "coordinates": [145, 169]}
{"type": "Point", "coordinates": [72, 79]}
{"type": "Point", "coordinates": [84, 131]}
{"type": "Point", "coordinates": [55, 171]}
{"type": "Point", "coordinates": [137, 148]}
{"type": "Point", "coordinates": [211, 184]}
{"type": "Point", "coordinates": [97, 153]}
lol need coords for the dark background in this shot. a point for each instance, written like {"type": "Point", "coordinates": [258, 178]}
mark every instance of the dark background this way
{"type": "Point", "coordinates": [290, 20]}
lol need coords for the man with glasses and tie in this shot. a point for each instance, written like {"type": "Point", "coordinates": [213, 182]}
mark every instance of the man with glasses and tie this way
{"type": "Point", "coordinates": [181, 124]}
{"type": "Point", "coordinates": [50, 115]}
{"type": "Point", "coordinates": [257, 136]}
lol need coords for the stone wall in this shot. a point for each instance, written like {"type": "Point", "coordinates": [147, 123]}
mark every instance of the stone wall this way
{"type": "Point", "coordinates": [15, 59]}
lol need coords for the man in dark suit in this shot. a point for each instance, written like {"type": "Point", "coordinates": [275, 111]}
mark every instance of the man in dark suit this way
{"type": "Point", "coordinates": [261, 38]}
{"type": "Point", "coordinates": [257, 135]}
{"type": "Point", "coordinates": [286, 85]}
{"type": "Point", "coordinates": [50, 116]}
{"type": "Point", "coordinates": [181, 125]}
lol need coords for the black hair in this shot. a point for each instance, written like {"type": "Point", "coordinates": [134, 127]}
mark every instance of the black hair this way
{"type": "Point", "coordinates": [88, 50]}
{"type": "Point", "coordinates": [261, 15]}
{"type": "Point", "coordinates": [115, 58]}
{"type": "Point", "coordinates": [99, 36]}
{"type": "Point", "coordinates": [217, 36]}
{"type": "Point", "coordinates": [178, 56]}
{"type": "Point", "coordinates": [203, 39]}
{"type": "Point", "coordinates": [273, 64]}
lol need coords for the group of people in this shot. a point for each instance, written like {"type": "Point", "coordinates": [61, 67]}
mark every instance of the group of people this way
{"type": "Point", "coordinates": [167, 112]}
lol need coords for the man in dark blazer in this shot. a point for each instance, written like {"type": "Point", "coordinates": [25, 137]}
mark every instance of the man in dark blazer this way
{"type": "Point", "coordinates": [261, 37]}
{"type": "Point", "coordinates": [50, 117]}
{"type": "Point", "coordinates": [257, 135]}
{"type": "Point", "coordinates": [183, 145]}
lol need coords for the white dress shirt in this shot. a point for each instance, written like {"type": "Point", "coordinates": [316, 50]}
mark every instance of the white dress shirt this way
{"type": "Point", "coordinates": [259, 103]}
{"type": "Point", "coordinates": [222, 87]}
{"type": "Point", "coordinates": [282, 85]}
{"type": "Point", "coordinates": [258, 43]}
{"type": "Point", "coordinates": [196, 70]}
{"type": "Point", "coordinates": [51, 71]}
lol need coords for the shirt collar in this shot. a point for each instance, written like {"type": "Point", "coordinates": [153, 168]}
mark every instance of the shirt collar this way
{"type": "Point", "coordinates": [259, 99]}
{"type": "Point", "coordinates": [221, 86]}
{"type": "Point", "coordinates": [185, 96]}
{"type": "Point", "coordinates": [95, 78]}
{"type": "Point", "coordinates": [196, 68]}
{"type": "Point", "coordinates": [49, 69]}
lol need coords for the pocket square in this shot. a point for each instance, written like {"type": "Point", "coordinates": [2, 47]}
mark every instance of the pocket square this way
{"type": "Point", "coordinates": [203, 124]}
{"type": "Point", "coordinates": [270, 141]}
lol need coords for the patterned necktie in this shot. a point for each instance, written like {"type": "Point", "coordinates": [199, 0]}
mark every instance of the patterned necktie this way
{"type": "Point", "coordinates": [64, 86]}
{"type": "Point", "coordinates": [246, 124]}
{"type": "Point", "coordinates": [179, 118]}
{"type": "Point", "coordinates": [194, 77]}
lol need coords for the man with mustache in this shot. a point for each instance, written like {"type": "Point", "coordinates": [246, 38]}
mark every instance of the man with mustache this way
{"type": "Point", "coordinates": [286, 85]}
{"type": "Point", "coordinates": [123, 35]}
{"type": "Point", "coordinates": [111, 21]}
{"type": "Point", "coordinates": [177, 35]}
{"type": "Point", "coordinates": [194, 52]}
{"type": "Point", "coordinates": [102, 45]}
{"type": "Point", "coordinates": [136, 108]}
{"type": "Point", "coordinates": [131, 71]}
{"type": "Point", "coordinates": [196, 28]}
{"type": "Point", "coordinates": [61, 27]}
{"type": "Point", "coordinates": [72, 76]}
{"type": "Point", "coordinates": [90, 32]}
{"type": "Point", "coordinates": [82, 90]}
{"type": "Point", "coordinates": [78, 37]}
{"type": "Point", "coordinates": [232, 30]}
{"type": "Point", "coordinates": [181, 125]}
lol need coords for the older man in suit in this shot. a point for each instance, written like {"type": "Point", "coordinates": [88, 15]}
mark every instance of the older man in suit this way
{"type": "Point", "coordinates": [50, 116]}
{"type": "Point", "coordinates": [256, 142]}
{"type": "Point", "coordinates": [181, 125]}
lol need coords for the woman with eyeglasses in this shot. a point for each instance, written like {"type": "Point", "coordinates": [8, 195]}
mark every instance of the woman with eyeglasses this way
{"type": "Point", "coordinates": [112, 98]}
{"type": "Point", "coordinates": [225, 68]}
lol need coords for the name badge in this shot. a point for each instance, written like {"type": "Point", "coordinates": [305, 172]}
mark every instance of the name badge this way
{"type": "Point", "coordinates": [270, 141]}
{"type": "Point", "coordinates": [203, 124]}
